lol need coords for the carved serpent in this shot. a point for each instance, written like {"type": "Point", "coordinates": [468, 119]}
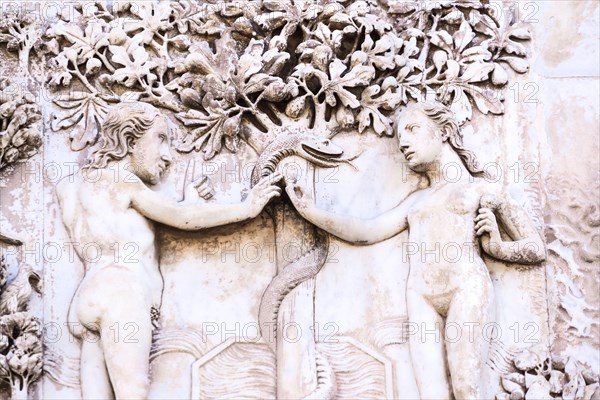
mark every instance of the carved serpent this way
{"type": "Point", "coordinates": [322, 153]}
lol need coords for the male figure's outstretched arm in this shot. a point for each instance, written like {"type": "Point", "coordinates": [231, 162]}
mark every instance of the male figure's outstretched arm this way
{"type": "Point", "coordinates": [186, 216]}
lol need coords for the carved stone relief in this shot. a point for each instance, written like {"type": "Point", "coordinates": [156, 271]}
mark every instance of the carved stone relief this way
{"type": "Point", "coordinates": [296, 199]}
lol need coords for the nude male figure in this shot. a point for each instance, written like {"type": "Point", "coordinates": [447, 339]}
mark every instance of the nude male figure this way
{"type": "Point", "coordinates": [109, 204]}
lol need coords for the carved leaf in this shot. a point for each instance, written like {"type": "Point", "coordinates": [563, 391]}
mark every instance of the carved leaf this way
{"type": "Point", "coordinates": [136, 66]}
{"type": "Point", "coordinates": [359, 75]}
{"type": "Point", "coordinates": [463, 36]}
{"type": "Point", "coordinates": [208, 133]}
{"type": "Point", "coordinates": [287, 15]}
{"type": "Point", "coordinates": [153, 17]}
{"type": "Point", "coordinates": [221, 63]}
{"type": "Point", "coordinates": [477, 72]}
{"type": "Point", "coordinates": [381, 53]}
{"type": "Point", "coordinates": [502, 34]}
{"type": "Point", "coordinates": [372, 101]}
{"type": "Point", "coordinates": [516, 63]}
{"type": "Point", "coordinates": [84, 43]}
{"type": "Point", "coordinates": [486, 102]}
{"type": "Point", "coordinates": [82, 114]}
{"type": "Point", "coordinates": [193, 17]}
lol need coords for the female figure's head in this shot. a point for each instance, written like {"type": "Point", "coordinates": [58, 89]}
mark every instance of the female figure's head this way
{"type": "Point", "coordinates": [423, 129]}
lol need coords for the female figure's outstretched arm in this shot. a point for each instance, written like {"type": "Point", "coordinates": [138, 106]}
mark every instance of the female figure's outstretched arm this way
{"type": "Point", "coordinates": [349, 228]}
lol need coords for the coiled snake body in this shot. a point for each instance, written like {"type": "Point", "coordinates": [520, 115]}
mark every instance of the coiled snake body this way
{"type": "Point", "coordinates": [321, 152]}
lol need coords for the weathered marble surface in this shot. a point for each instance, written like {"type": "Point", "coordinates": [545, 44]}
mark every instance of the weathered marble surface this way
{"type": "Point", "coordinates": [544, 145]}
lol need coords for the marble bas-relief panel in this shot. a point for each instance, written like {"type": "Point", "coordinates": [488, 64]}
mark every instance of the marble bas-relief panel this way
{"type": "Point", "coordinates": [320, 199]}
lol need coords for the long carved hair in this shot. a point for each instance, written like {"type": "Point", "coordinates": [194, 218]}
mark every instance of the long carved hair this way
{"type": "Point", "coordinates": [124, 124]}
{"type": "Point", "coordinates": [445, 120]}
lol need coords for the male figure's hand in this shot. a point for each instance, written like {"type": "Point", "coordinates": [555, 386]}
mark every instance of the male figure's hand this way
{"type": "Point", "coordinates": [200, 188]}
{"type": "Point", "coordinates": [263, 192]}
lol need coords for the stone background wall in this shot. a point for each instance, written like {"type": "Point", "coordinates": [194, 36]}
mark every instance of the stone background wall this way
{"type": "Point", "coordinates": [547, 147]}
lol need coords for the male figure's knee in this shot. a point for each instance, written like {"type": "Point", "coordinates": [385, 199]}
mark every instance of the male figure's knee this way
{"type": "Point", "coordinates": [134, 386]}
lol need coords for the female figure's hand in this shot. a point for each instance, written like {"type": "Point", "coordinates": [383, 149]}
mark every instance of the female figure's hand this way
{"type": "Point", "coordinates": [486, 227]}
{"type": "Point", "coordinates": [301, 198]}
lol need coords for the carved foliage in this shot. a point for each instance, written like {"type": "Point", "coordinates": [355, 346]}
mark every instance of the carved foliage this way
{"type": "Point", "coordinates": [21, 31]}
{"type": "Point", "coordinates": [20, 117]}
{"type": "Point", "coordinates": [544, 377]}
{"type": "Point", "coordinates": [20, 125]}
{"type": "Point", "coordinates": [20, 333]}
{"type": "Point", "coordinates": [229, 70]}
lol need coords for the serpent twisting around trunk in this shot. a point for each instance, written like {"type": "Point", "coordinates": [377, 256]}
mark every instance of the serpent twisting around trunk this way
{"type": "Point", "coordinates": [322, 153]}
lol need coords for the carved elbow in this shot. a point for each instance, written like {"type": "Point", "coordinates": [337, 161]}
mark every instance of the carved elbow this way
{"type": "Point", "coordinates": [534, 253]}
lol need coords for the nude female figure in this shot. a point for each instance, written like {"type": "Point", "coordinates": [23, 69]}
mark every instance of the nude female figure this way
{"type": "Point", "coordinates": [109, 205]}
{"type": "Point", "coordinates": [444, 287]}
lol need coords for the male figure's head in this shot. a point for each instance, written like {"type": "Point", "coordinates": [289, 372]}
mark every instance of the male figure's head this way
{"type": "Point", "coordinates": [139, 134]}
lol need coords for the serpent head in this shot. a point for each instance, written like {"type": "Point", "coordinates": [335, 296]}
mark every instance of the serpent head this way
{"type": "Point", "coordinates": [319, 151]}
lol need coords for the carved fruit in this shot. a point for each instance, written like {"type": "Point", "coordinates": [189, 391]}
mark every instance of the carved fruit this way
{"type": "Point", "coordinates": [557, 381]}
{"type": "Point", "coordinates": [571, 369]}
{"type": "Point", "coordinates": [517, 394]}
{"type": "Point", "coordinates": [321, 57]}
{"type": "Point", "coordinates": [499, 76]}
{"type": "Point", "coordinates": [92, 66]}
{"type": "Point", "coordinates": [7, 109]}
{"type": "Point", "coordinates": [195, 61]}
{"type": "Point", "coordinates": [244, 26]}
{"type": "Point", "coordinates": [331, 9]}
{"type": "Point", "coordinates": [295, 107]}
{"type": "Point", "coordinates": [359, 57]}
{"type": "Point", "coordinates": [117, 37]}
{"type": "Point", "coordinates": [539, 390]}
{"type": "Point", "coordinates": [400, 61]}
{"type": "Point", "coordinates": [231, 127]}
{"type": "Point", "coordinates": [4, 342]}
{"type": "Point", "coordinates": [34, 138]}
{"type": "Point", "coordinates": [517, 378]}
{"type": "Point", "coordinates": [559, 362]}
{"type": "Point", "coordinates": [105, 80]}
{"type": "Point", "coordinates": [344, 117]}
{"type": "Point", "coordinates": [231, 94]}
{"type": "Point", "coordinates": [11, 155]}
{"type": "Point", "coordinates": [20, 137]}
{"type": "Point", "coordinates": [590, 377]}
{"type": "Point", "coordinates": [276, 91]}
{"type": "Point", "coordinates": [526, 360]}
{"type": "Point", "coordinates": [510, 386]}
{"type": "Point", "coordinates": [190, 98]}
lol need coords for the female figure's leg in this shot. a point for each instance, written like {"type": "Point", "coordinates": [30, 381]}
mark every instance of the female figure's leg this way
{"type": "Point", "coordinates": [427, 348]}
{"type": "Point", "coordinates": [470, 312]}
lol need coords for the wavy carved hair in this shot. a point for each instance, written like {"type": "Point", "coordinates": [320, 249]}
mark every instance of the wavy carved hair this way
{"type": "Point", "coordinates": [124, 124]}
{"type": "Point", "coordinates": [444, 118]}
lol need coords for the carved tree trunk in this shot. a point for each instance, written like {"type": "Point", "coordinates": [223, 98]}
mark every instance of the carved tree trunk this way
{"type": "Point", "coordinates": [19, 392]}
{"type": "Point", "coordinates": [296, 362]}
